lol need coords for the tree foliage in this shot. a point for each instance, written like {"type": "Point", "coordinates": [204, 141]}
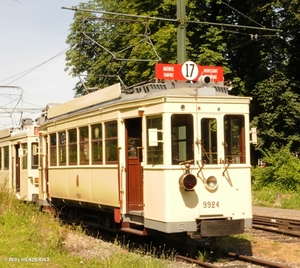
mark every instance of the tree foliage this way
{"type": "Point", "coordinates": [281, 172]}
{"type": "Point", "coordinates": [108, 47]}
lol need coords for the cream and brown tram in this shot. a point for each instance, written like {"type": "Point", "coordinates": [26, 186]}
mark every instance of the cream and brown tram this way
{"type": "Point", "coordinates": [163, 156]}
{"type": "Point", "coordinates": [19, 160]}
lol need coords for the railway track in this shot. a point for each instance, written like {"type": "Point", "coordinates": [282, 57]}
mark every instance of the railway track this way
{"type": "Point", "coordinates": [232, 259]}
{"type": "Point", "coordinates": [243, 262]}
{"type": "Point", "coordinates": [283, 227]}
{"type": "Point", "coordinates": [290, 227]}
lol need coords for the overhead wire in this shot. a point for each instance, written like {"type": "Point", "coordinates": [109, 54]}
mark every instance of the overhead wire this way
{"type": "Point", "coordinates": [242, 14]}
{"type": "Point", "coordinates": [22, 74]}
{"type": "Point", "coordinates": [19, 76]}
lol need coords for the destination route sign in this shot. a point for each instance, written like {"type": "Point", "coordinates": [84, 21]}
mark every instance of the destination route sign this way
{"type": "Point", "coordinates": [188, 71]}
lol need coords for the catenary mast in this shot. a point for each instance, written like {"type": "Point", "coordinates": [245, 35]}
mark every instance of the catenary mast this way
{"type": "Point", "coordinates": [181, 32]}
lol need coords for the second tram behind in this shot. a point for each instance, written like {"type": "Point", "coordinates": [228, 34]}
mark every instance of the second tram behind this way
{"type": "Point", "coordinates": [19, 160]}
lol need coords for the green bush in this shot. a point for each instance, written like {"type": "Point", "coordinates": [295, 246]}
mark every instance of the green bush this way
{"type": "Point", "coordinates": [282, 171]}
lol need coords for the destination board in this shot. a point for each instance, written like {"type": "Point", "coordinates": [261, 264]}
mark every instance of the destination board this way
{"type": "Point", "coordinates": [188, 71]}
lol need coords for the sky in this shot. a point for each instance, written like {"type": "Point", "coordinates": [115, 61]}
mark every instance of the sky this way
{"type": "Point", "coordinates": [33, 33]}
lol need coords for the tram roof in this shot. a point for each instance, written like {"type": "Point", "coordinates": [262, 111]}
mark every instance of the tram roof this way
{"type": "Point", "coordinates": [114, 95]}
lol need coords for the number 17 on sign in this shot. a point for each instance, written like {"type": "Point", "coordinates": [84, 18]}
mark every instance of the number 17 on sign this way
{"type": "Point", "coordinates": [189, 70]}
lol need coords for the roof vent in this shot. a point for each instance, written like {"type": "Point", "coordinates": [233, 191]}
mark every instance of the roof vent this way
{"type": "Point", "coordinates": [27, 122]}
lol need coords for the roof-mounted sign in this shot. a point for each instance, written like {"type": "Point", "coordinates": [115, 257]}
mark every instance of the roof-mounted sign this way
{"type": "Point", "coordinates": [188, 71]}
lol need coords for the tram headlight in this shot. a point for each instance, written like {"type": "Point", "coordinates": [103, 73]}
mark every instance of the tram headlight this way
{"type": "Point", "coordinates": [211, 183]}
{"type": "Point", "coordinates": [187, 181]}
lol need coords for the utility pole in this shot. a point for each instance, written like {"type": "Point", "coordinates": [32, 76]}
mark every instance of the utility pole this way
{"type": "Point", "coordinates": [181, 32]}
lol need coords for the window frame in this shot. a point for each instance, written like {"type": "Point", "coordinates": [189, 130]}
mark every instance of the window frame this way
{"type": "Point", "coordinates": [111, 142]}
{"type": "Point", "coordinates": [97, 143]}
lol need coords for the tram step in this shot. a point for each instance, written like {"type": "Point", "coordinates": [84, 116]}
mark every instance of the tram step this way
{"type": "Point", "coordinates": [134, 231]}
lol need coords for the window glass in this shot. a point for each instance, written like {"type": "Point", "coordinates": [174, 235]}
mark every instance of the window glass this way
{"type": "Point", "coordinates": [0, 158]}
{"type": "Point", "coordinates": [24, 158]}
{"type": "Point", "coordinates": [6, 157]}
{"type": "Point", "coordinates": [35, 156]}
{"type": "Point", "coordinates": [182, 138]}
{"type": "Point", "coordinates": [234, 139]}
{"type": "Point", "coordinates": [84, 145]}
{"type": "Point", "coordinates": [62, 148]}
{"type": "Point", "coordinates": [155, 154]}
{"type": "Point", "coordinates": [96, 144]}
{"type": "Point", "coordinates": [72, 146]}
{"type": "Point", "coordinates": [111, 142]}
{"type": "Point", "coordinates": [208, 143]}
{"type": "Point", "coordinates": [53, 149]}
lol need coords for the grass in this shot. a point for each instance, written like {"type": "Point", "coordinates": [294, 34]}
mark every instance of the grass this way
{"type": "Point", "coordinates": [266, 197]}
{"type": "Point", "coordinates": [30, 238]}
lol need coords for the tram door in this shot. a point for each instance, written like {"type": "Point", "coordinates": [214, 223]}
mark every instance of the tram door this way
{"type": "Point", "coordinates": [17, 168]}
{"type": "Point", "coordinates": [134, 170]}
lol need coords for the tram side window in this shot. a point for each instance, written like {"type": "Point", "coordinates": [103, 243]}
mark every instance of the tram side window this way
{"type": "Point", "coordinates": [24, 158]}
{"type": "Point", "coordinates": [6, 157]}
{"type": "Point", "coordinates": [182, 132]}
{"type": "Point", "coordinates": [35, 156]}
{"type": "Point", "coordinates": [111, 142]}
{"type": "Point", "coordinates": [53, 149]}
{"type": "Point", "coordinates": [155, 154]}
{"type": "Point", "coordinates": [72, 146]}
{"type": "Point", "coordinates": [84, 145]}
{"type": "Point", "coordinates": [62, 148]}
{"type": "Point", "coordinates": [234, 136]}
{"type": "Point", "coordinates": [0, 158]}
{"type": "Point", "coordinates": [208, 143]}
{"type": "Point", "coordinates": [97, 144]}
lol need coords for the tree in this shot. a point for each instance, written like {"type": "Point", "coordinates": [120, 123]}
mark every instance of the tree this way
{"type": "Point", "coordinates": [279, 118]}
{"type": "Point", "coordinates": [101, 46]}
{"type": "Point", "coordinates": [263, 64]}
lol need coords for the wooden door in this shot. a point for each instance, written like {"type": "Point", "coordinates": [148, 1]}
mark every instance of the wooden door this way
{"type": "Point", "coordinates": [134, 170]}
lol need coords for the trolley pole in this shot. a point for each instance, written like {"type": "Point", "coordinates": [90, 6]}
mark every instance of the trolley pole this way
{"type": "Point", "coordinates": [181, 32]}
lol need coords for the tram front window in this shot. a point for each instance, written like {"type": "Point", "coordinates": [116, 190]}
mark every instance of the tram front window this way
{"type": "Point", "coordinates": [182, 138]}
{"type": "Point", "coordinates": [234, 137]}
{"type": "Point", "coordinates": [209, 145]}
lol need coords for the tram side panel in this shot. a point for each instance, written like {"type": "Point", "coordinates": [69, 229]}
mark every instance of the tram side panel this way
{"type": "Point", "coordinates": [97, 186]}
{"type": "Point", "coordinates": [92, 183]}
{"type": "Point", "coordinates": [104, 187]}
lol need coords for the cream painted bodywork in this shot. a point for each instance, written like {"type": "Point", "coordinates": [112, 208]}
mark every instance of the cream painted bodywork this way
{"type": "Point", "coordinates": [97, 185]}
{"type": "Point", "coordinates": [164, 202]}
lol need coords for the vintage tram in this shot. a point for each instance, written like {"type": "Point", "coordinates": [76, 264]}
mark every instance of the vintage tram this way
{"type": "Point", "coordinates": [166, 156]}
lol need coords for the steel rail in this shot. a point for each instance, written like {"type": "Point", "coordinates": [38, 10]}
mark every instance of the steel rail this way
{"type": "Point", "coordinates": [284, 226]}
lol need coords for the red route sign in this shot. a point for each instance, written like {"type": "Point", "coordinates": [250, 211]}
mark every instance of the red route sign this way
{"type": "Point", "coordinates": [175, 72]}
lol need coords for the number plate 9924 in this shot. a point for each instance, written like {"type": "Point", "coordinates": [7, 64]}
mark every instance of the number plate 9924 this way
{"type": "Point", "coordinates": [211, 204]}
